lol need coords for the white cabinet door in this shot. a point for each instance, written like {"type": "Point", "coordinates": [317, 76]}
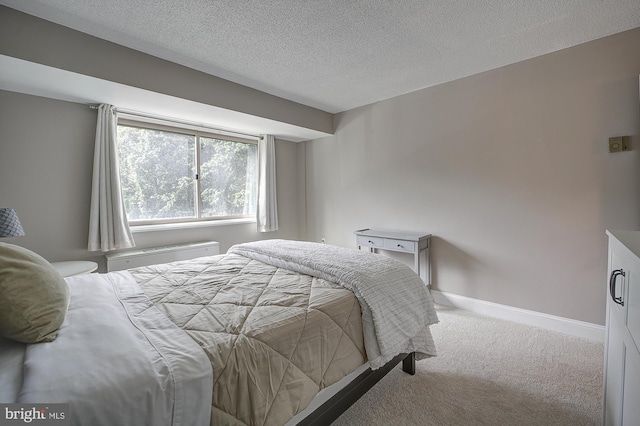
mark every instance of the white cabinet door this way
{"type": "Point", "coordinates": [631, 386]}
{"type": "Point", "coordinates": [622, 373]}
{"type": "Point", "coordinates": [614, 369]}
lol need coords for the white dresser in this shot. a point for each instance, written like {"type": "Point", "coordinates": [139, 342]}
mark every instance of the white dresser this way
{"type": "Point", "coordinates": [622, 341]}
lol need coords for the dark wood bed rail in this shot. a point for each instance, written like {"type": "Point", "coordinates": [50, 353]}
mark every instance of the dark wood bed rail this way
{"type": "Point", "coordinates": [347, 396]}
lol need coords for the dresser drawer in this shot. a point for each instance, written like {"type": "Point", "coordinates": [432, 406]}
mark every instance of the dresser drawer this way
{"type": "Point", "coordinates": [400, 245]}
{"type": "Point", "coordinates": [374, 242]}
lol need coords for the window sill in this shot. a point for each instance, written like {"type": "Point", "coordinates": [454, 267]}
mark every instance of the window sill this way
{"type": "Point", "coordinates": [186, 225]}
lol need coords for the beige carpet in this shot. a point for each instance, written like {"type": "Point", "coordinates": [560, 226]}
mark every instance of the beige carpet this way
{"type": "Point", "coordinates": [490, 372]}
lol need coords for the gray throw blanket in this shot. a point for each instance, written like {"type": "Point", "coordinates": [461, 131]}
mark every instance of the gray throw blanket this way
{"type": "Point", "coordinates": [397, 308]}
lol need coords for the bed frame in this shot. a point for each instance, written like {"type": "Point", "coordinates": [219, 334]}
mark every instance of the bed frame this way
{"type": "Point", "coordinates": [347, 396]}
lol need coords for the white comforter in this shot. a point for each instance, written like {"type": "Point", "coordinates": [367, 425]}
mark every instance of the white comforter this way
{"type": "Point", "coordinates": [397, 309]}
{"type": "Point", "coordinates": [118, 361]}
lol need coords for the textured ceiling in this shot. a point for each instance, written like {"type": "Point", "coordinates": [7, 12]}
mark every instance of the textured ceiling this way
{"type": "Point", "coordinates": [339, 54]}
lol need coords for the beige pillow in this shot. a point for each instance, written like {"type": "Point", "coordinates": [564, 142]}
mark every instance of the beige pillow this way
{"type": "Point", "coordinates": [33, 296]}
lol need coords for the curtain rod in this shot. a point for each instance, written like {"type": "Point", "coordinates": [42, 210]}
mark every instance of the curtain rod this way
{"type": "Point", "coordinates": [183, 122]}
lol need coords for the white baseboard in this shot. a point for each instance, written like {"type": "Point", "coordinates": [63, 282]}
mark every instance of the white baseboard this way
{"type": "Point", "coordinates": [569, 326]}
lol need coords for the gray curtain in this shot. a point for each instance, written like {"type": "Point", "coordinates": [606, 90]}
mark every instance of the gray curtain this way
{"type": "Point", "coordinates": [108, 226]}
{"type": "Point", "coordinates": [267, 214]}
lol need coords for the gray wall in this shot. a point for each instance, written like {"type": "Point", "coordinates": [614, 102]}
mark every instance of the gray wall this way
{"type": "Point", "coordinates": [508, 169]}
{"type": "Point", "coordinates": [46, 159]}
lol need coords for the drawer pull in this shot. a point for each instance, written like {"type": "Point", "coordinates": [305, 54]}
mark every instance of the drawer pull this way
{"type": "Point", "coordinates": [612, 286]}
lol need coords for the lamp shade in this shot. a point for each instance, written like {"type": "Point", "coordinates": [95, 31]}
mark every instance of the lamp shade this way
{"type": "Point", "coordinates": [10, 224]}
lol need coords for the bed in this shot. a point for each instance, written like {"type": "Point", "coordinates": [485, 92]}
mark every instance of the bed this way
{"type": "Point", "coordinates": [247, 337]}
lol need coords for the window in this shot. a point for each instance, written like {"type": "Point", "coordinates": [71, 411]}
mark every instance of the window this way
{"type": "Point", "coordinates": [171, 174]}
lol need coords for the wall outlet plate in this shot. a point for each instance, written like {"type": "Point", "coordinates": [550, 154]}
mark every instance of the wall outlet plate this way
{"type": "Point", "coordinates": [619, 143]}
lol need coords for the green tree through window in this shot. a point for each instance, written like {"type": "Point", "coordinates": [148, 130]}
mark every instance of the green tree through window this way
{"type": "Point", "coordinates": [172, 175]}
